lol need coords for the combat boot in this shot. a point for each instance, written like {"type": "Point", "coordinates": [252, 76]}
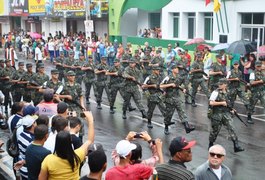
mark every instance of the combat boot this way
{"type": "Point", "coordinates": [124, 115]}
{"type": "Point", "coordinates": [250, 121]}
{"type": "Point", "coordinates": [237, 148]}
{"type": "Point", "coordinates": [99, 105]}
{"type": "Point", "coordinates": [169, 123]}
{"type": "Point", "coordinates": [149, 124]}
{"type": "Point", "coordinates": [188, 127]}
{"type": "Point", "coordinates": [143, 114]}
{"type": "Point", "coordinates": [166, 131]}
{"type": "Point", "coordinates": [193, 103]}
{"type": "Point", "coordinates": [111, 110]}
{"type": "Point", "coordinates": [131, 108]}
{"type": "Point", "coordinates": [210, 144]}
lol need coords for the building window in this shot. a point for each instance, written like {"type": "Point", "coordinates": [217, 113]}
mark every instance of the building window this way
{"type": "Point", "coordinates": [154, 20]}
{"type": "Point", "coordinates": [252, 18]}
{"type": "Point", "coordinates": [208, 26]}
{"type": "Point", "coordinates": [175, 25]}
{"type": "Point", "coordinates": [191, 25]}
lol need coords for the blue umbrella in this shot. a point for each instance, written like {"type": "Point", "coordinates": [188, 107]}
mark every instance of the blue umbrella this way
{"type": "Point", "coordinates": [241, 47]}
{"type": "Point", "coordinates": [219, 47]}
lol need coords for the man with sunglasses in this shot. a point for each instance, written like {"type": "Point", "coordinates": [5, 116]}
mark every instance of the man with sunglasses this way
{"type": "Point", "coordinates": [214, 169]}
{"type": "Point", "coordinates": [180, 150]}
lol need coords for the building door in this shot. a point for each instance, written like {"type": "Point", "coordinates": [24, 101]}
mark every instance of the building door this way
{"type": "Point", "coordinates": [71, 26]}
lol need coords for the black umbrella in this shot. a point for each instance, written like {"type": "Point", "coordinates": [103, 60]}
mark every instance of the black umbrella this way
{"type": "Point", "coordinates": [241, 47]}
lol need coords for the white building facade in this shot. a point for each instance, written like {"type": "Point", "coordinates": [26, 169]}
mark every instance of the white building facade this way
{"type": "Point", "coordinates": [183, 20]}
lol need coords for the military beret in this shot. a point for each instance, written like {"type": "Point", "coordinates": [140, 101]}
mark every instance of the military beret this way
{"type": "Point", "coordinates": [40, 65]}
{"type": "Point", "coordinates": [155, 68]}
{"type": "Point", "coordinates": [28, 65]}
{"type": "Point", "coordinates": [71, 52]}
{"type": "Point", "coordinates": [21, 63]}
{"type": "Point", "coordinates": [70, 73]}
{"type": "Point", "coordinates": [54, 71]}
{"type": "Point", "coordinates": [2, 61]}
{"type": "Point", "coordinates": [218, 56]}
{"type": "Point", "coordinates": [222, 81]}
{"type": "Point", "coordinates": [116, 60]}
{"type": "Point", "coordinates": [258, 63]}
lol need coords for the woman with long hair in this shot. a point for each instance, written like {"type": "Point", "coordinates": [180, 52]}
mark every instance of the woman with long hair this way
{"type": "Point", "coordinates": [65, 161]}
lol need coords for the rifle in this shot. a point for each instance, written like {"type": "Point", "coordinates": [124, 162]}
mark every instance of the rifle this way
{"type": "Point", "coordinates": [126, 78]}
{"type": "Point", "coordinates": [247, 86]}
{"type": "Point", "coordinates": [182, 89]}
{"type": "Point", "coordinates": [201, 71]}
{"type": "Point", "coordinates": [235, 113]}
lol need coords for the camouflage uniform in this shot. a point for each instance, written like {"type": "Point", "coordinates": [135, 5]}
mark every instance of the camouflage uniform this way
{"type": "Point", "coordinates": [234, 88]}
{"type": "Point", "coordinates": [125, 57]}
{"type": "Point", "coordinates": [257, 91]}
{"type": "Point", "coordinates": [155, 96]}
{"type": "Point", "coordinates": [7, 72]}
{"type": "Point", "coordinates": [40, 79]}
{"type": "Point", "coordinates": [197, 80]}
{"type": "Point", "coordinates": [27, 95]}
{"type": "Point", "coordinates": [59, 66]}
{"type": "Point", "coordinates": [214, 79]}
{"type": "Point", "coordinates": [222, 116]}
{"type": "Point", "coordinates": [89, 80]}
{"type": "Point", "coordinates": [159, 60]}
{"type": "Point", "coordinates": [183, 77]}
{"type": "Point", "coordinates": [79, 73]}
{"type": "Point", "coordinates": [68, 66]}
{"type": "Point", "coordinates": [17, 89]}
{"type": "Point", "coordinates": [101, 83]}
{"type": "Point", "coordinates": [173, 101]}
{"type": "Point", "coordinates": [131, 89]}
{"type": "Point", "coordinates": [147, 70]}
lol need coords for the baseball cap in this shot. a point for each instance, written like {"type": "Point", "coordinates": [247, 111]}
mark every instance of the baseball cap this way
{"type": "Point", "coordinates": [116, 60]}
{"type": "Point", "coordinates": [70, 73]}
{"type": "Point", "coordinates": [7, 60]}
{"type": "Point", "coordinates": [21, 63]}
{"type": "Point", "coordinates": [54, 71]}
{"type": "Point", "coordinates": [29, 110]}
{"type": "Point", "coordinates": [28, 65]}
{"type": "Point", "coordinates": [124, 147]}
{"type": "Point", "coordinates": [218, 56]}
{"type": "Point", "coordinates": [174, 66]}
{"type": "Point", "coordinates": [2, 61]}
{"type": "Point", "coordinates": [61, 107]}
{"type": "Point", "coordinates": [236, 62]}
{"type": "Point", "coordinates": [40, 65]}
{"type": "Point", "coordinates": [155, 68]}
{"type": "Point", "coordinates": [180, 143]}
{"type": "Point", "coordinates": [28, 120]}
{"type": "Point", "coordinates": [222, 81]}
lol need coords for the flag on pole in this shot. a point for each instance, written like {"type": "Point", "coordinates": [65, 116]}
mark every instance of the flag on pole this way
{"type": "Point", "coordinates": [207, 2]}
{"type": "Point", "coordinates": [216, 6]}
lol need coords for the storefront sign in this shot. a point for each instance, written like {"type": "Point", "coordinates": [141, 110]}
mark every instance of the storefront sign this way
{"type": "Point", "coordinates": [37, 6]}
{"type": "Point", "coordinates": [19, 8]}
{"type": "Point", "coordinates": [2, 7]}
{"type": "Point", "coordinates": [66, 5]}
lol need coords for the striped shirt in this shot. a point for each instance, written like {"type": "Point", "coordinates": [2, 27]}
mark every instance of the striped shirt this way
{"type": "Point", "coordinates": [173, 170]}
{"type": "Point", "coordinates": [24, 140]}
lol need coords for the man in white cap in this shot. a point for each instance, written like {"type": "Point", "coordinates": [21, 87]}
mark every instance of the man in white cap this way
{"type": "Point", "coordinates": [125, 170]}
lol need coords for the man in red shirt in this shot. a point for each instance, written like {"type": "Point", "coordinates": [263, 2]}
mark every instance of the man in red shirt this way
{"type": "Point", "coordinates": [125, 170]}
{"type": "Point", "coordinates": [188, 57]}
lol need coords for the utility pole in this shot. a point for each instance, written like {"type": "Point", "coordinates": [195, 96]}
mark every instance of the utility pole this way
{"type": "Point", "coordinates": [88, 18]}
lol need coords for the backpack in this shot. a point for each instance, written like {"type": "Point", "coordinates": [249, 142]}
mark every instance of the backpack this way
{"type": "Point", "coordinates": [12, 144]}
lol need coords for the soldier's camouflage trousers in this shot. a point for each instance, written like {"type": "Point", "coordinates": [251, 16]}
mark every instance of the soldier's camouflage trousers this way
{"type": "Point", "coordinates": [88, 86]}
{"type": "Point", "coordinates": [233, 93]}
{"type": "Point", "coordinates": [100, 87]}
{"type": "Point", "coordinates": [255, 96]}
{"type": "Point", "coordinates": [195, 83]}
{"type": "Point", "coordinates": [219, 119]}
{"type": "Point", "coordinates": [152, 101]}
{"type": "Point", "coordinates": [133, 92]}
{"type": "Point", "coordinates": [170, 108]}
{"type": "Point", "coordinates": [185, 81]}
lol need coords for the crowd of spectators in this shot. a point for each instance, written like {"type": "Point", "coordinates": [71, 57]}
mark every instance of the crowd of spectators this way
{"type": "Point", "coordinates": [150, 33]}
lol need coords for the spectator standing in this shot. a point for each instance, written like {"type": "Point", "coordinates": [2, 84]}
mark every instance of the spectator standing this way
{"type": "Point", "coordinates": [125, 170]}
{"type": "Point", "coordinates": [36, 153]}
{"type": "Point", "coordinates": [97, 162]}
{"type": "Point", "coordinates": [180, 151]}
{"type": "Point", "coordinates": [214, 169]}
{"type": "Point", "coordinates": [65, 161]}
{"type": "Point", "coordinates": [38, 54]}
{"type": "Point", "coordinates": [51, 49]}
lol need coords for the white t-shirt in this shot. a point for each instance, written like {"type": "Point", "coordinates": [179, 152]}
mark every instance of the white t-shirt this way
{"type": "Point", "coordinates": [38, 54]}
{"type": "Point", "coordinates": [218, 172]}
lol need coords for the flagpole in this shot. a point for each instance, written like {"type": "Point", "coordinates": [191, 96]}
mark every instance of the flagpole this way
{"type": "Point", "coordinates": [226, 17]}
{"type": "Point", "coordinates": [221, 18]}
{"type": "Point", "coordinates": [217, 22]}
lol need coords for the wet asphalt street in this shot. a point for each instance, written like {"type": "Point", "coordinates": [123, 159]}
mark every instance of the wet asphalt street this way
{"type": "Point", "coordinates": [110, 128]}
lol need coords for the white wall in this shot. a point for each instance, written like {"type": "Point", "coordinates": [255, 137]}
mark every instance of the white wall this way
{"type": "Point", "coordinates": [101, 27]}
{"type": "Point", "coordinates": [129, 22]}
{"type": "Point", "coordinates": [142, 20]}
{"type": "Point", "coordinates": [51, 27]}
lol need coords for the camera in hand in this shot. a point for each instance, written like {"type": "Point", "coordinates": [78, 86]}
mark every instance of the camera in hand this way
{"type": "Point", "coordinates": [138, 135]}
